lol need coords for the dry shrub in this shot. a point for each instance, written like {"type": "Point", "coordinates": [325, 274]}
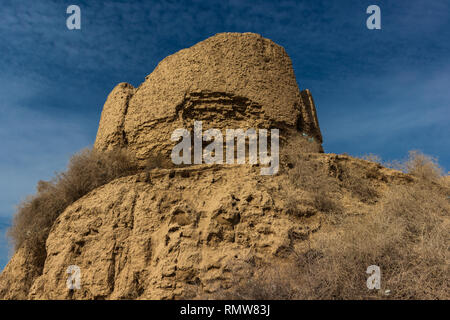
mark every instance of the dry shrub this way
{"type": "Point", "coordinates": [359, 185]}
{"type": "Point", "coordinates": [420, 165]}
{"type": "Point", "coordinates": [356, 178]}
{"type": "Point", "coordinates": [423, 166]}
{"type": "Point", "coordinates": [406, 238]}
{"type": "Point", "coordinates": [291, 205]}
{"type": "Point", "coordinates": [372, 158]}
{"type": "Point", "coordinates": [324, 203]}
{"type": "Point", "coordinates": [86, 171]}
{"type": "Point", "coordinates": [249, 282]}
{"type": "Point", "coordinates": [312, 176]}
{"type": "Point", "coordinates": [307, 174]}
{"type": "Point", "coordinates": [445, 182]}
{"type": "Point", "coordinates": [406, 235]}
{"type": "Point", "coordinates": [301, 144]}
{"type": "Point", "coordinates": [296, 207]}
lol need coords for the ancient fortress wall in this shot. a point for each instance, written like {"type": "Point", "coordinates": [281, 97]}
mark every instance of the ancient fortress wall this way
{"type": "Point", "coordinates": [231, 80]}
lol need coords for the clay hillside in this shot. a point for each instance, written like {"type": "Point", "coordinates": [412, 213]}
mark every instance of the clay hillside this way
{"type": "Point", "coordinates": [140, 227]}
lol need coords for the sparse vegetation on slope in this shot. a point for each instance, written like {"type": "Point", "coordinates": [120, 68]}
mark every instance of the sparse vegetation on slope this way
{"type": "Point", "coordinates": [405, 234]}
{"type": "Point", "coordinates": [86, 171]}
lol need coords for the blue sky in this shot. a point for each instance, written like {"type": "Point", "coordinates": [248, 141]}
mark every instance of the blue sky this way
{"type": "Point", "coordinates": [377, 91]}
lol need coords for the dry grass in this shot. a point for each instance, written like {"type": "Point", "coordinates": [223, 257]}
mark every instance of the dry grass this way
{"type": "Point", "coordinates": [408, 239]}
{"type": "Point", "coordinates": [309, 175]}
{"type": "Point", "coordinates": [372, 158]}
{"type": "Point", "coordinates": [262, 283]}
{"type": "Point", "coordinates": [420, 165]}
{"type": "Point", "coordinates": [324, 203]}
{"type": "Point", "coordinates": [86, 171]}
{"type": "Point", "coordinates": [406, 235]}
{"type": "Point", "coordinates": [291, 205]}
{"type": "Point", "coordinates": [359, 185]}
{"type": "Point", "coordinates": [304, 143]}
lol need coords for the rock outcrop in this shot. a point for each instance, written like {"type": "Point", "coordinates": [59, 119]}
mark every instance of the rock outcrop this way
{"type": "Point", "coordinates": [172, 233]}
{"type": "Point", "coordinates": [176, 233]}
{"type": "Point", "coordinates": [164, 236]}
{"type": "Point", "coordinates": [231, 80]}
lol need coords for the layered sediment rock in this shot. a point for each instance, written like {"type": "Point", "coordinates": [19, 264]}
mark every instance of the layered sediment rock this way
{"type": "Point", "coordinates": [164, 233]}
{"type": "Point", "coordinates": [231, 80]}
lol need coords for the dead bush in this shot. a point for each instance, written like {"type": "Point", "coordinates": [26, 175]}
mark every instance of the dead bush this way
{"type": "Point", "coordinates": [420, 165]}
{"type": "Point", "coordinates": [296, 207]}
{"type": "Point", "coordinates": [372, 158]}
{"type": "Point", "coordinates": [406, 235]}
{"type": "Point", "coordinates": [324, 203]}
{"type": "Point", "coordinates": [310, 175]}
{"type": "Point", "coordinates": [305, 173]}
{"type": "Point", "coordinates": [359, 186]}
{"type": "Point", "coordinates": [259, 283]}
{"type": "Point", "coordinates": [423, 166]}
{"type": "Point", "coordinates": [356, 178]}
{"type": "Point", "coordinates": [301, 144]}
{"type": "Point", "coordinates": [291, 205]}
{"type": "Point", "coordinates": [86, 171]}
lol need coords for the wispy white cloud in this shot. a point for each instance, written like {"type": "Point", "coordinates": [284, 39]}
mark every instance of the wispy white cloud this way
{"type": "Point", "coordinates": [35, 142]}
